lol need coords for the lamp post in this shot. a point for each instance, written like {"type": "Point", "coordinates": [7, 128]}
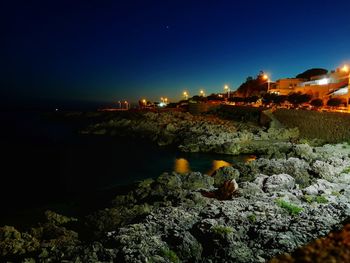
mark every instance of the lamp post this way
{"type": "Point", "coordinates": [185, 94]}
{"type": "Point", "coordinates": [266, 77]}
{"type": "Point", "coordinates": [201, 92]}
{"type": "Point", "coordinates": [144, 103]}
{"type": "Point", "coordinates": [346, 69]}
{"type": "Point", "coordinates": [226, 88]}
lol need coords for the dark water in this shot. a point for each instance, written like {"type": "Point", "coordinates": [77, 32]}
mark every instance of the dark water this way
{"type": "Point", "coordinates": [46, 162]}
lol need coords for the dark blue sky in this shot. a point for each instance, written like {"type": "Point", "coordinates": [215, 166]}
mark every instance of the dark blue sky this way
{"type": "Point", "coordinates": [111, 50]}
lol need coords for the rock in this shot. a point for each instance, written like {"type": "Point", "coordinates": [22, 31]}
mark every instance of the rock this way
{"type": "Point", "coordinates": [324, 170]}
{"type": "Point", "coordinates": [225, 173]}
{"type": "Point", "coordinates": [195, 133]}
{"type": "Point", "coordinates": [196, 180]}
{"type": "Point", "coordinates": [278, 182]}
{"type": "Point", "coordinates": [320, 187]}
{"type": "Point", "coordinates": [248, 190]}
{"type": "Point", "coordinates": [303, 151]}
{"type": "Point", "coordinates": [295, 167]}
{"type": "Point", "coordinates": [185, 245]}
{"type": "Point", "coordinates": [58, 219]}
{"type": "Point", "coordinates": [14, 243]}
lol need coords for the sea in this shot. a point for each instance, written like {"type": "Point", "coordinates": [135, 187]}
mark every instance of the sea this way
{"type": "Point", "coordinates": [48, 164]}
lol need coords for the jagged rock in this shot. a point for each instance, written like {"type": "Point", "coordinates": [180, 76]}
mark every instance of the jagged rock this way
{"type": "Point", "coordinates": [303, 151]}
{"type": "Point", "coordinates": [185, 245]}
{"type": "Point", "coordinates": [13, 243]}
{"type": "Point", "coordinates": [295, 167]}
{"type": "Point", "coordinates": [196, 180]}
{"type": "Point", "coordinates": [196, 133]}
{"type": "Point", "coordinates": [225, 173]}
{"type": "Point", "coordinates": [278, 182]}
{"type": "Point", "coordinates": [58, 219]}
{"type": "Point", "coordinates": [324, 170]}
{"type": "Point", "coordinates": [320, 187]}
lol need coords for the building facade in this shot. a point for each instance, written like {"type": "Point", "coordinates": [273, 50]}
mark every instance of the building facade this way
{"type": "Point", "coordinates": [333, 84]}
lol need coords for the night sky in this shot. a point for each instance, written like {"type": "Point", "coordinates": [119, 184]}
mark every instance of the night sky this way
{"type": "Point", "coordinates": [113, 50]}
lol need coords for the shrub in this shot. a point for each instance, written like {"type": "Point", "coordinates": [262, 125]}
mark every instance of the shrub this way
{"type": "Point", "coordinates": [222, 230]}
{"type": "Point", "coordinates": [346, 170]}
{"type": "Point", "coordinates": [336, 193]}
{"type": "Point", "coordinates": [308, 198]}
{"type": "Point", "coordinates": [170, 255]}
{"type": "Point", "coordinates": [321, 199]}
{"type": "Point", "coordinates": [317, 103]}
{"type": "Point", "coordinates": [291, 208]}
{"type": "Point", "coordinates": [334, 102]}
{"type": "Point", "coordinates": [252, 218]}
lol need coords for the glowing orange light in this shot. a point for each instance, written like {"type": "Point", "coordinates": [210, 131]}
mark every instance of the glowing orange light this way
{"type": "Point", "coordinates": [216, 165]}
{"type": "Point", "coordinates": [345, 68]}
{"type": "Point", "coordinates": [181, 166]}
{"type": "Point", "coordinates": [250, 158]}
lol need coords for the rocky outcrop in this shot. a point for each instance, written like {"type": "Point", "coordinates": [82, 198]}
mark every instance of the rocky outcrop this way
{"type": "Point", "coordinates": [197, 133]}
{"type": "Point", "coordinates": [258, 210]}
{"type": "Point", "coordinates": [333, 248]}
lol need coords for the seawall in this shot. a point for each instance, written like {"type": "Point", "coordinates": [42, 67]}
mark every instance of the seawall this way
{"type": "Point", "coordinates": [329, 126]}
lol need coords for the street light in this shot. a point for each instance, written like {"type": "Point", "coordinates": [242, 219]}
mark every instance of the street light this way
{"type": "Point", "coordinates": [201, 92]}
{"type": "Point", "coordinates": [166, 100]}
{"type": "Point", "coordinates": [346, 69]}
{"type": "Point", "coordinates": [266, 77]}
{"type": "Point", "coordinates": [226, 88]}
{"type": "Point", "coordinates": [185, 94]}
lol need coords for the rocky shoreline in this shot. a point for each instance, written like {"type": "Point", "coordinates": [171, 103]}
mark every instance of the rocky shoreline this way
{"type": "Point", "coordinates": [292, 194]}
{"type": "Point", "coordinates": [192, 133]}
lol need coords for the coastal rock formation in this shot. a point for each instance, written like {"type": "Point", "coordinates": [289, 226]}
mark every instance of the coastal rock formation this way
{"type": "Point", "coordinates": [269, 211]}
{"type": "Point", "coordinates": [197, 133]}
{"type": "Point", "coordinates": [333, 248]}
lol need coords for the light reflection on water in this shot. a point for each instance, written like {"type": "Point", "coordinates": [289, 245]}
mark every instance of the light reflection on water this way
{"type": "Point", "coordinates": [216, 165]}
{"type": "Point", "coordinates": [182, 165]}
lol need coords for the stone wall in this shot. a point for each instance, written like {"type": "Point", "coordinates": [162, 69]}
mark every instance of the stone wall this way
{"type": "Point", "coordinates": [240, 113]}
{"type": "Point", "coordinates": [328, 126]}
{"type": "Point", "coordinates": [197, 108]}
